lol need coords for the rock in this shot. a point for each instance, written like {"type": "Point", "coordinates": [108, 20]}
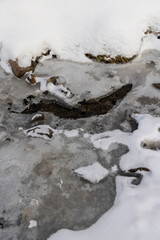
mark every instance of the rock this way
{"type": "Point", "coordinates": [19, 71]}
{"type": "Point", "coordinates": [31, 79]}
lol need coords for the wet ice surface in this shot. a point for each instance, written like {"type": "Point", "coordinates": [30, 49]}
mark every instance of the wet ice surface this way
{"type": "Point", "coordinates": [37, 181]}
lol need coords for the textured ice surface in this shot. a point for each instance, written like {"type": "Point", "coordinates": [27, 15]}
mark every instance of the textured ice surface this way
{"type": "Point", "coordinates": [37, 179]}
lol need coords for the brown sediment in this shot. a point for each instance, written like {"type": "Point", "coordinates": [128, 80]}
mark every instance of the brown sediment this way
{"type": "Point", "coordinates": [31, 79]}
{"type": "Point", "coordinates": [53, 80]}
{"type": "Point", "coordinates": [151, 31]}
{"type": "Point", "coordinates": [109, 60]}
{"type": "Point", "coordinates": [20, 71]}
{"type": "Point", "coordinates": [133, 170]}
{"type": "Point", "coordinates": [84, 109]}
{"type": "Point", "coordinates": [156, 85]}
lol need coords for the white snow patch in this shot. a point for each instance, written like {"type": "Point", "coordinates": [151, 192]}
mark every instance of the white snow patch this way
{"type": "Point", "coordinates": [93, 173]}
{"type": "Point", "coordinates": [114, 169]}
{"type": "Point", "coordinates": [72, 133]}
{"type": "Point", "coordinates": [47, 133]}
{"type": "Point", "coordinates": [41, 131]}
{"type": "Point", "coordinates": [57, 90]}
{"type": "Point", "coordinates": [32, 224]}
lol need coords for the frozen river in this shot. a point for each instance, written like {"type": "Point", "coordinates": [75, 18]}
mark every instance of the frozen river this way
{"type": "Point", "coordinates": [37, 179]}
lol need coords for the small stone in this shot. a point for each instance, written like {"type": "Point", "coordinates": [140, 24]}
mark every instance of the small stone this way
{"type": "Point", "coordinates": [31, 79]}
{"type": "Point", "coordinates": [52, 80]}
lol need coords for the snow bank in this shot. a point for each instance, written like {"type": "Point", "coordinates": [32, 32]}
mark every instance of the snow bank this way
{"type": "Point", "coordinates": [72, 28]}
{"type": "Point", "coordinates": [136, 211]}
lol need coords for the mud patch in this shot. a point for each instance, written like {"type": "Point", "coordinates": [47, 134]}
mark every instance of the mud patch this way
{"type": "Point", "coordinates": [44, 168]}
{"type": "Point", "coordinates": [108, 60]}
{"type": "Point", "coordinates": [133, 170]}
{"type": "Point", "coordinates": [84, 109]}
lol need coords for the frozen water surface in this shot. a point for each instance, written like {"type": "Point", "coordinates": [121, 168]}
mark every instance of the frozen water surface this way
{"type": "Point", "coordinates": [37, 180]}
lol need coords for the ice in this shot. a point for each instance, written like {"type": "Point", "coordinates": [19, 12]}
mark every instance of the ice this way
{"type": "Point", "coordinates": [33, 168]}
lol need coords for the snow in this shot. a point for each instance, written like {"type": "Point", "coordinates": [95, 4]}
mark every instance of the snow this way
{"type": "Point", "coordinates": [93, 173]}
{"type": "Point", "coordinates": [47, 133]}
{"type": "Point", "coordinates": [38, 115]}
{"type": "Point", "coordinates": [136, 210]}
{"type": "Point", "coordinates": [72, 28]}
{"type": "Point", "coordinates": [114, 169]}
{"type": "Point", "coordinates": [32, 224]}
{"type": "Point", "coordinates": [40, 131]}
{"type": "Point", "coordinates": [72, 133]}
